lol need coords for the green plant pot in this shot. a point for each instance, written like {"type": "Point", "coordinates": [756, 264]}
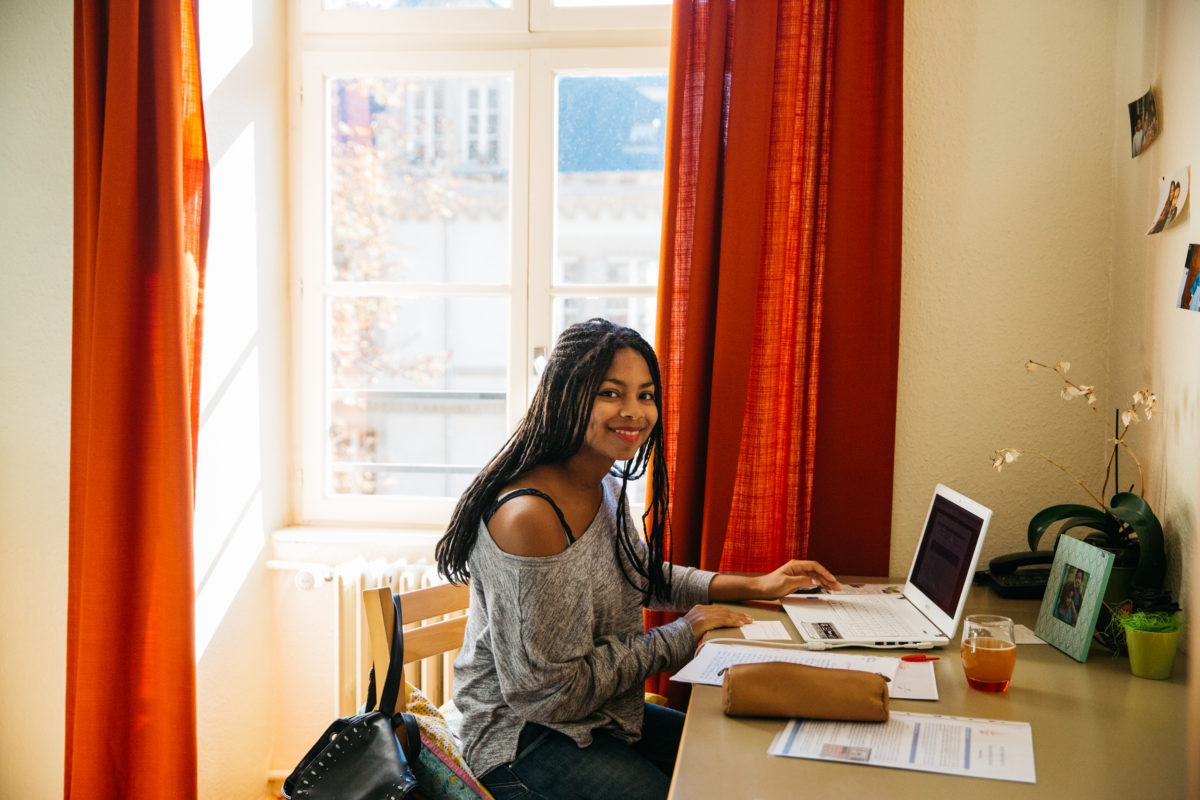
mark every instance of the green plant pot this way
{"type": "Point", "coordinates": [1151, 654]}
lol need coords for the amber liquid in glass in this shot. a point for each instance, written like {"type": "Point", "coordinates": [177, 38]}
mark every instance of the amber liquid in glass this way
{"type": "Point", "coordinates": [988, 663]}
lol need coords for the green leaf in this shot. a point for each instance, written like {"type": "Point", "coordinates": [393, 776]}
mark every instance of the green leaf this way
{"type": "Point", "coordinates": [1135, 512]}
{"type": "Point", "coordinates": [1104, 528]}
{"type": "Point", "coordinates": [1076, 514]}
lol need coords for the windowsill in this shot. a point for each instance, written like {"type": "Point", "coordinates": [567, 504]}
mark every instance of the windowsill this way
{"type": "Point", "coordinates": [335, 544]}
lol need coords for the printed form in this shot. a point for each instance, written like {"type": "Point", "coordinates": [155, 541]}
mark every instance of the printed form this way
{"type": "Point", "coordinates": [713, 658]}
{"type": "Point", "coordinates": [908, 681]}
{"type": "Point", "coordinates": [977, 748]}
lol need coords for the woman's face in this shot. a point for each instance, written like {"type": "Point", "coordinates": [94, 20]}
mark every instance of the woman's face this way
{"type": "Point", "coordinates": [623, 411]}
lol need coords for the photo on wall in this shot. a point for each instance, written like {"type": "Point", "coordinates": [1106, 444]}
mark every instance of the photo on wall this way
{"type": "Point", "coordinates": [1189, 288]}
{"type": "Point", "coordinates": [1172, 194]}
{"type": "Point", "coordinates": [1143, 122]}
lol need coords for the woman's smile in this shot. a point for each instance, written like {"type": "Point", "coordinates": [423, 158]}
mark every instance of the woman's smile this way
{"type": "Point", "coordinates": [630, 435]}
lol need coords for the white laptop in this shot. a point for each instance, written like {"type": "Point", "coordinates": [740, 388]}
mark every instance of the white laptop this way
{"type": "Point", "coordinates": [927, 612]}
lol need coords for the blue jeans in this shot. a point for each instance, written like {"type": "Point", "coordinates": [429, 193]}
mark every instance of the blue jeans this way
{"type": "Point", "coordinates": [550, 765]}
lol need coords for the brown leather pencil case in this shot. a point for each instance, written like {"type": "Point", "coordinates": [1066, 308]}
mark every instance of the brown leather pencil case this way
{"type": "Point", "coordinates": [781, 689]}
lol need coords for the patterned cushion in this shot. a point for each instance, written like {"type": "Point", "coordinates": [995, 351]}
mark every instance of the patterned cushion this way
{"type": "Point", "coordinates": [441, 772]}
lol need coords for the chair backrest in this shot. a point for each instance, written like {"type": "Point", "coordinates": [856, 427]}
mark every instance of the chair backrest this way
{"type": "Point", "coordinates": [416, 606]}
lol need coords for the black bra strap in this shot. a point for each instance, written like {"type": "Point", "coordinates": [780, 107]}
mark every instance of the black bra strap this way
{"type": "Point", "coordinates": [517, 493]}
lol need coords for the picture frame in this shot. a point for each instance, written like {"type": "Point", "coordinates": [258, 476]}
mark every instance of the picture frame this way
{"type": "Point", "coordinates": [1074, 592]}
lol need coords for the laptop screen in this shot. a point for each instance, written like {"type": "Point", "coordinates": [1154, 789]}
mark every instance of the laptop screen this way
{"type": "Point", "coordinates": [946, 557]}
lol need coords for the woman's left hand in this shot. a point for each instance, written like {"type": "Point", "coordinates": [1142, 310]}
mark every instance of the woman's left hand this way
{"type": "Point", "coordinates": [794, 576]}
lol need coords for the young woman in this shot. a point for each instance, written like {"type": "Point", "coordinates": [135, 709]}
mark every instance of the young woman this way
{"type": "Point", "coordinates": [550, 676]}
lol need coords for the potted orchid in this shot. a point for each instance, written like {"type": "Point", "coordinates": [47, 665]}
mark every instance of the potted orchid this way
{"type": "Point", "coordinates": [1124, 525]}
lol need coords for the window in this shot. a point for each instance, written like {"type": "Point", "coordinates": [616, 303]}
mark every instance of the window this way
{"type": "Point", "coordinates": [468, 188]}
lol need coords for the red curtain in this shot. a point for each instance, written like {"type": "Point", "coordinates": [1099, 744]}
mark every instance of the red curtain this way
{"type": "Point", "coordinates": [779, 282]}
{"type": "Point", "coordinates": [141, 185]}
{"type": "Point", "coordinates": [851, 521]}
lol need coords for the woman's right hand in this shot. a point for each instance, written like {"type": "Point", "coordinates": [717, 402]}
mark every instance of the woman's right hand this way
{"type": "Point", "coordinates": [704, 618]}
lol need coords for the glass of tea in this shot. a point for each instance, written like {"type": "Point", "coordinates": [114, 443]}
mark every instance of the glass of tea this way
{"type": "Point", "coordinates": [989, 652]}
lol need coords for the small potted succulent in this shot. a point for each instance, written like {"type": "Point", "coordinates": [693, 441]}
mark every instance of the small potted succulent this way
{"type": "Point", "coordinates": [1125, 525]}
{"type": "Point", "coordinates": [1149, 623]}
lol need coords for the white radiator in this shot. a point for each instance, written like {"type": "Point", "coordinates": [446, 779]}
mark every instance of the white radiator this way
{"type": "Point", "coordinates": [433, 676]}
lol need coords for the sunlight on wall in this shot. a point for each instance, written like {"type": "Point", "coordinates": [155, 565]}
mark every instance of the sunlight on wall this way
{"type": "Point", "coordinates": [226, 35]}
{"type": "Point", "coordinates": [228, 523]}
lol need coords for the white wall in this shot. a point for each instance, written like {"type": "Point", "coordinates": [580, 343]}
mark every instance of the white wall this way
{"type": "Point", "coordinates": [244, 447]}
{"type": "Point", "coordinates": [1024, 238]}
{"type": "Point", "coordinates": [35, 362]}
{"type": "Point", "coordinates": [1154, 343]}
{"type": "Point", "coordinates": [1008, 217]}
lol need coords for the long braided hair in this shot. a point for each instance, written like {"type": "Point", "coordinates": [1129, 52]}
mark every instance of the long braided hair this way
{"type": "Point", "coordinates": [554, 429]}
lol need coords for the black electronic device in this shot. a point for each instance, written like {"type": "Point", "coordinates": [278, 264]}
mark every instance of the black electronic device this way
{"type": "Point", "coordinates": [1021, 575]}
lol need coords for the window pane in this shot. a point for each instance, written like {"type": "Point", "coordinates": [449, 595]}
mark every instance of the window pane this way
{"type": "Point", "coordinates": [417, 398]}
{"type": "Point", "coordinates": [419, 179]}
{"type": "Point", "coordinates": [609, 178]}
{"type": "Point", "coordinates": [632, 312]}
{"type": "Point", "coordinates": [424, 4]}
{"type": "Point", "coordinates": [432, 445]}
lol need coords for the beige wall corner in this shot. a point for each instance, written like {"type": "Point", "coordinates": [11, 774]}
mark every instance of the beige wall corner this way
{"type": "Point", "coordinates": [1007, 251]}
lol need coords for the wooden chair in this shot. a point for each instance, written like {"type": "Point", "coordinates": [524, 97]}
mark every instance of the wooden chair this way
{"type": "Point", "coordinates": [431, 639]}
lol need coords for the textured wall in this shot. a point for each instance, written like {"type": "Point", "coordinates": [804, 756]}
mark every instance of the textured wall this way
{"type": "Point", "coordinates": [35, 361]}
{"type": "Point", "coordinates": [1154, 343]}
{"type": "Point", "coordinates": [1007, 250]}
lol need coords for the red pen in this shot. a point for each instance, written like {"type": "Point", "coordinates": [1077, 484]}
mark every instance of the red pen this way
{"type": "Point", "coordinates": [918, 657]}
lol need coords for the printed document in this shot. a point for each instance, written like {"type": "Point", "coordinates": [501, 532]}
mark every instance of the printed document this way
{"type": "Point", "coordinates": [706, 667]}
{"type": "Point", "coordinates": [977, 748]}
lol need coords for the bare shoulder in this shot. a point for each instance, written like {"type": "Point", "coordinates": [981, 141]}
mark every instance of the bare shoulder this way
{"type": "Point", "coordinates": [527, 526]}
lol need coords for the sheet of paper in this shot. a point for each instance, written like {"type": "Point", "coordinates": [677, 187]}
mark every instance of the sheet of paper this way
{"type": "Point", "coordinates": [914, 681]}
{"type": "Point", "coordinates": [977, 748]}
{"type": "Point", "coordinates": [1024, 635]}
{"type": "Point", "coordinates": [766, 629]}
{"type": "Point", "coordinates": [714, 657]}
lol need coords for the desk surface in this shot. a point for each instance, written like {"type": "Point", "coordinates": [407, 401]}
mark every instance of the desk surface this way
{"type": "Point", "coordinates": [1098, 731]}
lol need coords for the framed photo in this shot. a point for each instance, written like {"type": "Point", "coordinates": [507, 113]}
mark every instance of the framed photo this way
{"type": "Point", "coordinates": [1074, 591]}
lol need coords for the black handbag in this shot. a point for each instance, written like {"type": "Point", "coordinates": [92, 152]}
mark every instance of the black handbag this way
{"type": "Point", "coordinates": [361, 757]}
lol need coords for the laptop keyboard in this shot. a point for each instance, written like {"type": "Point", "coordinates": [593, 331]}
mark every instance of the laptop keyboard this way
{"type": "Point", "coordinates": [851, 620]}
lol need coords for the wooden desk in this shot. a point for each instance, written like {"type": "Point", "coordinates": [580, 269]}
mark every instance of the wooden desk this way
{"type": "Point", "coordinates": [1098, 731]}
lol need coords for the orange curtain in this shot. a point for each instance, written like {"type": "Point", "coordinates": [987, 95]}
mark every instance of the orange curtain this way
{"type": "Point", "coordinates": [851, 521]}
{"type": "Point", "coordinates": [774, 196]}
{"type": "Point", "coordinates": [141, 186]}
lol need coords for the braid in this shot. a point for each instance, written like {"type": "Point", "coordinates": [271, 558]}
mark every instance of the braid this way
{"type": "Point", "coordinates": [551, 431]}
{"type": "Point", "coordinates": [652, 580]}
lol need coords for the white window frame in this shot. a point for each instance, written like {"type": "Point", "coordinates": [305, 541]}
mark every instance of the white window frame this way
{"type": "Point", "coordinates": [545, 67]}
{"type": "Point", "coordinates": [315, 19]}
{"type": "Point", "coordinates": [544, 15]}
{"type": "Point", "coordinates": [440, 42]}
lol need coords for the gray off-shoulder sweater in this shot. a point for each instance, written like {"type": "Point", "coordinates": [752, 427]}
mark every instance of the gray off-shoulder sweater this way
{"type": "Point", "coordinates": [559, 640]}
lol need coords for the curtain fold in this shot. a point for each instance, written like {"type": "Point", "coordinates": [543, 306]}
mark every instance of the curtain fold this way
{"type": "Point", "coordinates": [140, 224]}
{"type": "Point", "coordinates": [773, 195]}
{"type": "Point", "coordinates": [860, 330]}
